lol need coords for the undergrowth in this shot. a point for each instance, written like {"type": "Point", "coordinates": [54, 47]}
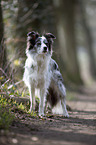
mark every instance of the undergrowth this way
{"type": "Point", "coordinates": [6, 117]}
{"type": "Point", "coordinates": [8, 105]}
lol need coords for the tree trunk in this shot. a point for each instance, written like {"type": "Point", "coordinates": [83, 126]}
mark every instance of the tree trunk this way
{"type": "Point", "coordinates": [89, 39]}
{"type": "Point", "coordinates": [2, 46]}
{"type": "Point", "coordinates": [66, 37]}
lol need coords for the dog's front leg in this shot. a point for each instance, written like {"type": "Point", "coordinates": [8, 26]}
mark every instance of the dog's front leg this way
{"type": "Point", "coordinates": [32, 99]}
{"type": "Point", "coordinates": [42, 102]}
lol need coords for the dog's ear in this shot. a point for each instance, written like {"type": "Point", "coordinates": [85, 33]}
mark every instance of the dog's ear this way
{"type": "Point", "coordinates": [50, 35]}
{"type": "Point", "coordinates": [33, 35]}
{"type": "Point", "coordinates": [50, 38]}
{"type": "Point", "coordinates": [31, 39]}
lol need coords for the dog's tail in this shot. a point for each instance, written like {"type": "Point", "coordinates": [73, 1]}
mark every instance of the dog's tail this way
{"type": "Point", "coordinates": [54, 99]}
{"type": "Point", "coordinates": [58, 109]}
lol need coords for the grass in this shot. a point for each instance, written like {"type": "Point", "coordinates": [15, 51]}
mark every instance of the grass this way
{"type": "Point", "coordinates": [6, 116]}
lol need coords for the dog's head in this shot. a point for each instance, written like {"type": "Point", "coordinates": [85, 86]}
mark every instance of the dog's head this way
{"type": "Point", "coordinates": [40, 44]}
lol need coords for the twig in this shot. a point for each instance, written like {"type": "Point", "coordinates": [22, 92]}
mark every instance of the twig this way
{"type": "Point", "coordinates": [23, 100]}
{"type": "Point", "coordinates": [15, 84]}
{"type": "Point", "coordinates": [29, 12]}
{"type": "Point", "coordinates": [5, 83]}
{"type": "Point", "coordinates": [4, 73]}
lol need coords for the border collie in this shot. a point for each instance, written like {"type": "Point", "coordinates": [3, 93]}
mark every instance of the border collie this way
{"type": "Point", "coordinates": [42, 74]}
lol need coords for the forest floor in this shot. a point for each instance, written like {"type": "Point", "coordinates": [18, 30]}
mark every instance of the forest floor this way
{"type": "Point", "coordinates": [78, 129]}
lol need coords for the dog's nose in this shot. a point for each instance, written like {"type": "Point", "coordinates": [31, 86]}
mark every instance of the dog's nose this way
{"type": "Point", "coordinates": [45, 49]}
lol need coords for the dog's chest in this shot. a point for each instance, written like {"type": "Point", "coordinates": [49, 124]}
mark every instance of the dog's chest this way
{"type": "Point", "coordinates": [38, 72]}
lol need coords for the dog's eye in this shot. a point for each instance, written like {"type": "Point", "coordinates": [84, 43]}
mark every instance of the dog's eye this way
{"type": "Point", "coordinates": [46, 43]}
{"type": "Point", "coordinates": [39, 43]}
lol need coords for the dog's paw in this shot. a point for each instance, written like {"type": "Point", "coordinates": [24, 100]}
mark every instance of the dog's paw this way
{"type": "Point", "coordinates": [41, 115]}
{"type": "Point", "coordinates": [31, 110]}
{"type": "Point", "coordinates": [66, 114]}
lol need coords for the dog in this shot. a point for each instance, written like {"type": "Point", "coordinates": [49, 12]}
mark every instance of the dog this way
{"type": "Point", "coordinates": [42, 73]}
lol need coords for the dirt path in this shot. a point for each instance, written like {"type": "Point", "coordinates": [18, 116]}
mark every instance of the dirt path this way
{"type": "Point", "coordinates": [78, 129]}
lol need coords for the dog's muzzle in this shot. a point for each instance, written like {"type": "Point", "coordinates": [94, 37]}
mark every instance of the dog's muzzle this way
{"type": "Point", "coordinates": [45, 49]}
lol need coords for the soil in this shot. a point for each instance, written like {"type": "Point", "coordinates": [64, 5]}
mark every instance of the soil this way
{"type": "Point", "coordinates": [78, 129]}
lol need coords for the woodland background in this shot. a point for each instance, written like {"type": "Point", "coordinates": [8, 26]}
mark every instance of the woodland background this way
{"type": "Point", "coordinates": [73, 22]}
